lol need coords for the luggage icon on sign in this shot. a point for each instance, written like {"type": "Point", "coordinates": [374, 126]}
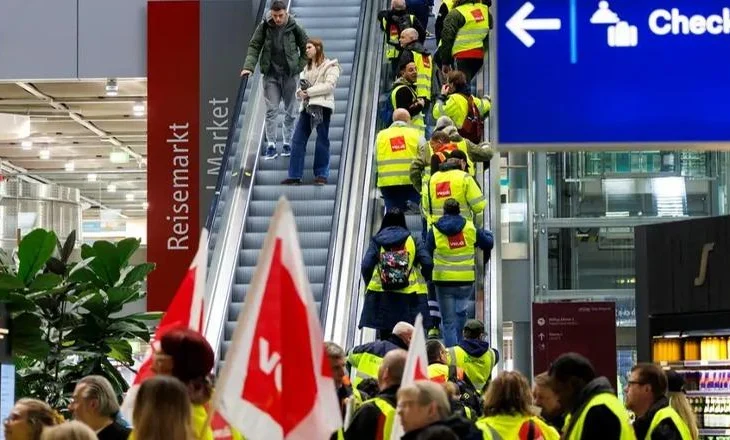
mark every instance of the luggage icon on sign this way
{"type": "Point", "coordinates": [622, 34]}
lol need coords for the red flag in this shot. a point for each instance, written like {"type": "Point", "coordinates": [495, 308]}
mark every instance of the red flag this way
{"type": "Point", "coordinates": [276, 382]}
{"type": "Point", "coordinates": [416, 367]}
{"type": "Point", "coordinates": [185, 309]}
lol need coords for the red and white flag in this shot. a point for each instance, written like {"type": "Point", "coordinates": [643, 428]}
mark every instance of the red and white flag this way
{"type": "Point", "coordinates": [187, 308]}
{"type": "Point", "coordinates": [416, 367]}
{"type": "Point", "coordinates": [277, 382]}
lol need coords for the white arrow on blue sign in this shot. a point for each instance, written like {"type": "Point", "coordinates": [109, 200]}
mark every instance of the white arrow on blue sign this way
{"type": "Point", "coordinates": [519, 24]}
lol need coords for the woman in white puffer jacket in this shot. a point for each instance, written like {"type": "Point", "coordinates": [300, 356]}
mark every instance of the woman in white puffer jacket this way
{"type": "Point", "coordinates": [317, 92]}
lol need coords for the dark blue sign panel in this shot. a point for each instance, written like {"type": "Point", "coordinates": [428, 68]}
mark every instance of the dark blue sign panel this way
{"type": "Point", "coordinates": [616, 71]}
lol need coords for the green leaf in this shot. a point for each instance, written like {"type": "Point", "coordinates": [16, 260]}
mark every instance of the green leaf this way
{"type": "Point", "coordinates": [54, 265]}
{"type": "Point", "coordinates": [125, 249]}
{"type": "Point", "coordinates": [16, 302]}
{"type": "Point", "coordinates": [35, 249]}
{"type": "Point", "coordinates": [45, 281]}
{"type": "Point", "coordinates": [94, 303]}
{"type": "Point", "coordinates": [118, 296]}
{"type": "Point", "coordinates": [27, 337]}
{"type": "Point", "coordinates": [68, 247]}
{"type": "Point", "coordinates": [115, 377]}
{"type": "Point", "coordinates": [119, 350]}
{"type": "Point", "coordinates": [147, 316]}
{"type": "Point", "coordinates": [85, 275]}
{"type": "Point", "coordinates": [106, 265]}
{"type": "Point", "coordinates": [139, 273]}
{"type": "Point", "coordinates": [9, 282]}
{"type": "Point", "coordinates": [87, 251]}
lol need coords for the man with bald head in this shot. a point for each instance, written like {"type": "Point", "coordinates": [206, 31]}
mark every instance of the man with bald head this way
{"type": "Point", "coordinates": [414, 52]}
{"type": "Point", "coordinates": [368, 358]}
{"type": "Point", "coordinates": [393, 21]}
{"type": "Point", "coordinates": [375, 417]}
{"type": "Point", "coordinates": [395, 148]}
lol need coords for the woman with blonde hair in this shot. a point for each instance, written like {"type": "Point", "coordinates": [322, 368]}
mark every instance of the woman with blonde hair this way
{"type": "Point", "coordinates": [162, 411]}
{"type": "Point", "coordinates": [317, 85]}
{"type": "Point", "coordinates": [509, 411]}
{"type": "Point", "coordinates": [678, 401]}
{"type": "Point", "coordinates": [28, 418]}
{"type": "Point", "coordinates": [69, 431]}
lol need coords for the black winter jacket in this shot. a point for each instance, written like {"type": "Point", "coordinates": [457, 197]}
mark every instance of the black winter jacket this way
{"type": "Point", "coordinates": [600, 422]}
{"type": "Point", "coordinates": [367, 419]}
{"type": "Point", "coordinates": [666, 430]}
{"type": "Point", "coordinates": [463, 428]}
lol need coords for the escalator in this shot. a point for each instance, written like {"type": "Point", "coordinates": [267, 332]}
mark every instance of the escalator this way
{"type": "Point", "coordinates": [257, 188]}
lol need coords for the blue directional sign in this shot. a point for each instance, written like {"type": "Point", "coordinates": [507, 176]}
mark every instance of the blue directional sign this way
{"type": "Point", "coordinates": [617, 71]}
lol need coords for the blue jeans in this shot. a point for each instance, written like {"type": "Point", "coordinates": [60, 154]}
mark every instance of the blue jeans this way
{"type": "Point", "coordinates": [398, 196]}
{"type": "Point", "coordinates": [454, 302]}
{"type": "Point", "coordinates": [321, 148]}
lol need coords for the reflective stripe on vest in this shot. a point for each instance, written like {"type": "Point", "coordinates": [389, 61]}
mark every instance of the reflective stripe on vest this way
{"type": "Point", "coordinates": [453, 258]}
{"type": "Point", "coordinates": [444, 185]}
{"type": "Point", "coordinates": [393, 38]}
{"type": "Point", "coordinates": [424, 66]}
{"type": "Point", "coordinates": [416, 282]}
{"type": "Point", "coordinates": [396, 148]}
{"type": "Point", "coordinates": [575, 430]}
{"type": "Point", "coordinates": [389, 413]}
{"type": "Point", "coordinates": [478, 369]}
{"type": "Point", "coordinates": [669, 413]}
{"type": "Point", "coordinates": [475, 30]}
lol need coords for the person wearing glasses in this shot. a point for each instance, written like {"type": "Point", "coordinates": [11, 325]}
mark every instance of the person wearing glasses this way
{"type": "Point", "coordinates": [589, 400]}
{"type": "Point", "coordinates": [646, 396]}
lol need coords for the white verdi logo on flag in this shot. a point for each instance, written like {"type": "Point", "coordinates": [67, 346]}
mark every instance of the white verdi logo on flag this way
{"type": "Point", "coordinates": [277, 382]}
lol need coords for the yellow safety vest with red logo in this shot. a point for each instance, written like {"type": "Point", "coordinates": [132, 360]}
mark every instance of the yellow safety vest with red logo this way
{"type": "Point", "coordinates": [424, 66]}
{"type": "Point", "coordinates": [396, 148]}
{"type": "Point", "coordinates": [453, 258]}
{"type": "Point", "coordinates": [475, 30]}
{"type": "Point", "coordinates": [452, 184]}
{"type": "Point", "coordinates": [448, 148]}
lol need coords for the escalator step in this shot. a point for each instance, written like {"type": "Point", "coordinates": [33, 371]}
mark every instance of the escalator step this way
{"type": "Point", "coordinates": [308, 240]}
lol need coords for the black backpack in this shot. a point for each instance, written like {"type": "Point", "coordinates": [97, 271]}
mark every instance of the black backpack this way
{"type": "Point", "coordinates": [467, 392]}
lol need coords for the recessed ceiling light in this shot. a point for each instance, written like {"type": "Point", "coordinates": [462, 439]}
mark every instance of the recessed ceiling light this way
{"type": "Point", "coordinates": [91, 177]}
{"type": "Point", "coordinates": [111, 188]}
{"type": "Point", "coordinates": [145, 205]}
{"type": "Point", "coordinates": [26, 145]}
{"type": "Point", "coordinates": [129, 197]}
{"type": "Point", "coordinates": [118, 157]}
{"type": "Point", "coordinates": [69, 166]}
{"type": "Point", "coordinates": [44, 154]}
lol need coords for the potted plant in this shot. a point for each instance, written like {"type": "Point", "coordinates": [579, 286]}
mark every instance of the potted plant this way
{"type": "Point", "coordinates": [66, 316]}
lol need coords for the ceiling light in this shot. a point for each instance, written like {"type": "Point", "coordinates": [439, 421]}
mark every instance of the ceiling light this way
{"type": "Point", "coordinates": [129, 197]}
{"type": "Point", "coordinates": [138, 108]}
{"type": "Point", "coordinates": [112, 89]}
{"type": "Point", "coordinates": [145, 205]}
{"type": "Point", "coordinates": [91, 177]}
{"type": "Point", "coordinates": [118, 157]}
{"type": "Point", "coordinates": [69, 166]}
{"type": "Point", "coordinates": [26, 145]}
{"type": "Point", "coordinates": [111, 188]}
{"type": "Point", "coordinates": [44, 154]}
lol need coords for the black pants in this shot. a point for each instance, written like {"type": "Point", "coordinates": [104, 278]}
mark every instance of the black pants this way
{"type": "Point", "coordinates": [470, 67]}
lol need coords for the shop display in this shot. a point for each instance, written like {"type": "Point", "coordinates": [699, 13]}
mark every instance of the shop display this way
{"type": "Point", "coordinates": [711, 348]}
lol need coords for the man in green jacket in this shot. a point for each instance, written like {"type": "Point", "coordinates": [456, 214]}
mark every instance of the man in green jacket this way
{"type": "Point", "coordinates": [279, 44]}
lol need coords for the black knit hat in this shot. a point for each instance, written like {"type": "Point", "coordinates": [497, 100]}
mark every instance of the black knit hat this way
{"type": "Point", "coordinates": [675, 382]}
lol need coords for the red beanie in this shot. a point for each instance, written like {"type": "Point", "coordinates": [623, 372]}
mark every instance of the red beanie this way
{"type": "Point", "coordinates": [191, 353]}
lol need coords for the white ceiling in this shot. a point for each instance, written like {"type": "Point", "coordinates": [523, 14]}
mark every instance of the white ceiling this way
{"type": "Point", "coordinates": [77, 122]}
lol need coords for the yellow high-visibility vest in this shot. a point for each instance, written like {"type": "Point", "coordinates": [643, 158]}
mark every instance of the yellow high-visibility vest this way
{"type": "Point", "coordinates": [424, 66]}
{"type": "Point", "coordinates": [475, 30]}
{"type": "Point", "coordinates": [507, 427]}
{"type": "Point", "coordinates": [396, 148]}
{"type": "Point", "coordinates": [393, 38]}
{"type": "Point", "coordinates": [611, 402]}
{"type": "Point", "coordinates": [452, 184]}
{"type": "Point", "coordinates": [453, 258]}
{"type": "Point", "coordinates": [456, 107]}
{"type": "Point", "coordinates": [418, 121]}
{"type": "Point", "coordinates": [669, 413]}
{"type": "Point", "coordinates": [479, 369]}
{"type": "Point", "coordinates": [416, 282]}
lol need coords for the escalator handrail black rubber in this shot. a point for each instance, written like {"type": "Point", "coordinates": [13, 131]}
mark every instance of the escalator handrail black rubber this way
{"type": "Point", "coordinates": [229, 150]}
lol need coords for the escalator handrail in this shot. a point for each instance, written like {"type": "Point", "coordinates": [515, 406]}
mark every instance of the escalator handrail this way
{"type": "Point", "coordinates": [368, 201]}
{"type": "Point", "coordinates": [228, 151]}
{"type": "Point", "coordinates": [352, 117]}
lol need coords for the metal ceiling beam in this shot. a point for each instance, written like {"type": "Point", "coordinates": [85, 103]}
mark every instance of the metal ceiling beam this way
{"type": "Point", "coordinates": [78, 118]}
{"type": "Point", "coordinates": [75, 100]}
{"type": "Point", "coordinates": [23, 174]}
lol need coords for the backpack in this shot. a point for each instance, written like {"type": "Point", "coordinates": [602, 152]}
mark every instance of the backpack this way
{"type": "Point", "coordinates": [385, 108]}
{"type": "Point", "coordinates": [394, 268]}
{"type": "Point", "coordinates": [467, 392]}
{"type": "Point", "coordinates": [473, 126]}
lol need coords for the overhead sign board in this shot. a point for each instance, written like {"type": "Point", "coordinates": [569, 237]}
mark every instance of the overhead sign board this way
{"type": "Point", "coordinates": [572, 73]}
